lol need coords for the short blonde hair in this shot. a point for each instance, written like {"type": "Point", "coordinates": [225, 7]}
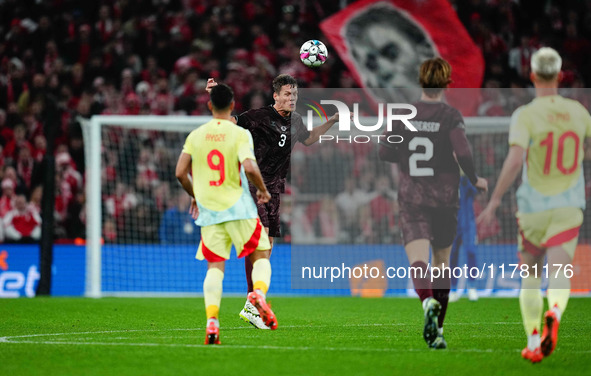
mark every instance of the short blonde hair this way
{"type": "Point", "coordinates": [546, 63]}
{"type": "Point", "coordinates": [434, 76]}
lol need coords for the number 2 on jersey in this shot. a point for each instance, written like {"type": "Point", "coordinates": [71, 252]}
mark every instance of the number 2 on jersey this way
{"type": "Point", "coordinates": [548, 143]}
{"type": "Point", "coordinates": [413, 169]}
{"type": "Point", "coordinates": [219, 166]}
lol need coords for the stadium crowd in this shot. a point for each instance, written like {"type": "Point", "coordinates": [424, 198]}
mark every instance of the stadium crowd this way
{"type": "Point", "coordinates": [154, 56]}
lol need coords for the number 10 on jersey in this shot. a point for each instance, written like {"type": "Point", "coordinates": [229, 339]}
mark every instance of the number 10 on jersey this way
{"type": "Point", "coordinates": [548, 143]}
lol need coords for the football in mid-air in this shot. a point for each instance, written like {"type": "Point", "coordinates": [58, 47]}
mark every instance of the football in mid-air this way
{"type": "Point", "coordinates": [313, 53]}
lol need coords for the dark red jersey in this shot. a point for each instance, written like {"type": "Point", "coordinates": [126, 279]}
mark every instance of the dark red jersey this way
{"type": "Point", "coordinates": [274, 137]}
{"type": "Point", "coordinates": [429, 172]}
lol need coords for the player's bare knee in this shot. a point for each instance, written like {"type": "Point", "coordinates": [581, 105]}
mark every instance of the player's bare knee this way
{"type": "Point", "coordinates": [441, 257]}
{"type": "Point", "coordinates": [558, 255]}
{"type": "Point", "coordinates": [531, 260]}
{"type": "Point", "coordinates": [259, 255]}
{"type": "Point", "coordinates": [216, 265]}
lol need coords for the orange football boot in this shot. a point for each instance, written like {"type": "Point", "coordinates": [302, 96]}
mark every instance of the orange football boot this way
{"type": "Point", "coordinates": [212, 334]}
{"type": "Point", "coordinates": [534, 356]}
{"type": "Point", "coordinates": [265, 311]}
{"type": "Point", "coordinates": [550, 333]}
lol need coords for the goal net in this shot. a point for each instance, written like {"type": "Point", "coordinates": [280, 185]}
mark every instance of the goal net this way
{"type": "Point", "coordinates": [141, 240]}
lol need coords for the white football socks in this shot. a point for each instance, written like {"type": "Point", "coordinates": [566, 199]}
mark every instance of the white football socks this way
{"type": "Point", "coordinates": [214, 320]}
{"type": "Point", "coordinates": [533, 340]}
{"type": "Point", "coordinates": [261, 293]}
{"type": "Point", "coordinates": [558, 312]}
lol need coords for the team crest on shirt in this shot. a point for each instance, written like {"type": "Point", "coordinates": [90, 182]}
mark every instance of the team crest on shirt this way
{"type": "Point", "coordinates": [283, 128]}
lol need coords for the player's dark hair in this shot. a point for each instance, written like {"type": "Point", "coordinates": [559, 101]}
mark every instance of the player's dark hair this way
{"type": "Point", "coordinates": [221, 96]}
{"type": "Point", "coordinates": [282, 80]}
{"type": "Point", "coordinates": [434, 76]}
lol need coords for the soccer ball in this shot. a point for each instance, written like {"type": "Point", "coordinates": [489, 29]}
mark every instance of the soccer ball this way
{"type": "Point", "coordinates": [313, 53]}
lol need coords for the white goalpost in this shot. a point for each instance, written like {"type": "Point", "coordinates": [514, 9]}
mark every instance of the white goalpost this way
{"type": "Point", "coordinates": [111, 138]}
{"type": "Point", "coordinates": [93, 144]}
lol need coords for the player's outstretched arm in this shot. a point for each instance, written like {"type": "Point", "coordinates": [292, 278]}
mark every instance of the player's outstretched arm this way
{"type": "Point", "coordinates": [254, 175]}
{"type": "Point", "coordinates": [509, 172]}
{"type": "Point", "coordinates": [321, 129]}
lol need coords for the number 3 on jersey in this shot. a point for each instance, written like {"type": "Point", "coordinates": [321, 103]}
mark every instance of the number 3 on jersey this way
{"type": "Point", "coordinates": [282, 140]}
{"type": "Point", "coordinates": [219, 166]}
{"type": "Point", "coordinates": [413, 169]}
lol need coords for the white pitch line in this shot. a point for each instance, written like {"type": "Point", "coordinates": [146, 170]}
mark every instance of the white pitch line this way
{"type": "Point", "coordinates": [261, 347]}
{"type": "Point", "coordinates": [281, 348]}
{"type": "Point", "coordinates": [18, 340]}
{"type": "Point", "coordinates": [7, 339]}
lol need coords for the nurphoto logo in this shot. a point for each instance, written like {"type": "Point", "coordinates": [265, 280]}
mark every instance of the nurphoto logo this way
{"type": "Point", "coordinates": [389, 116]}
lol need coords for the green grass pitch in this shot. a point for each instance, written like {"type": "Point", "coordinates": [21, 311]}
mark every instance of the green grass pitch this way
{"type": "Point", "coordinates": [316, 336]}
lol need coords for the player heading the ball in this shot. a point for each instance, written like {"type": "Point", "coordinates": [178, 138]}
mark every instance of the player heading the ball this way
{"type": "Point", "coordinates": [275, 130]}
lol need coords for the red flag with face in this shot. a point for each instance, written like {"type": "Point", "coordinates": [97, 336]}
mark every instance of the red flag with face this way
{"type": "Point", "coordinates": [383, 43]}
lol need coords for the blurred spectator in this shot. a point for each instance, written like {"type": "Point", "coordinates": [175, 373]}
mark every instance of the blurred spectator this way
{"type": "Point", "coordinates": [493, 100]}
{"type": "Point", "coordinates": [350, 202]}
{"type": "Point", "coordinates": [75, 222]}
{"type": "Point", "coordinates": [109, 230]}
{"type": "Point", "coordinates": [298, 171]}
{"type": "Point", "coordinates": [8, 196]}
{"type": "Point", "coordinates": [122, 200]}
{"type": "Point", "coordinates": [383, 210]}
{"type": "Point", "coordinates": [127, 86]}
{"type": "Point", "coordinates": [187, 92]}
{"type": "Point", "coordinates": [79, 49]}
{"type": "Point", "coordinates": [9, 172]}
{"type": "Point", "coordinates": [132, 104]}
{"type": "Point", "coordinates": [145, 94]}
{"type": "Point", "coordinates": [152, 73]}
{"type": "Point", "coordinates": [36, 196]}
{"type": "Point", "coordinates": [19, 141]}
{"type": "Point", "coordinates": [67, 174]}
{"type": "Point", "coordinates": [76, 80]}
{"type": "Point", "coordinates": [140, 220]}
{"type": "Point", "coordinates": [296, 217]}
{"type": "Point", "coordinates": [6, 132]}
{"type": "Point", "coordinates": [520, 57]}
{"type": "Point", "coordinates": [188, 62]}
{"type": "Point", "coordinates": [177, 225]}
{"type": "Point", "coordinates": [22, 224]}
{"type": "Point", "coordinates": [33, 93]}
{"type": "Point", "coordinates": [576, 48]}
{"type": "Point", "coordinates": [24, 166]}
{"type": "Point", "coordinates": [329, 221]}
